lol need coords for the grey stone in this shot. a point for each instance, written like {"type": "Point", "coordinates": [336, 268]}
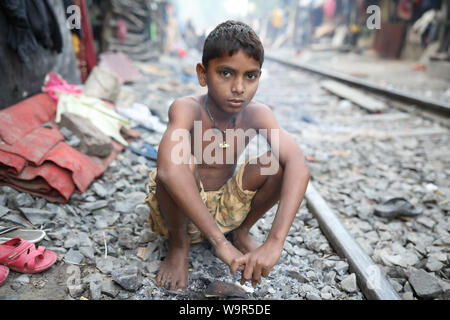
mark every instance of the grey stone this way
{"type": "Point", "coordinates": [106, 216]}
{"type": "Point", "coordinates": [75, 291]}
{"type": "Point", "coordinates": [312, 276]}
{"type": "Point", "coordinates": [147, 236]}
{"type": "Point", "coordinates": [99, 190]}
{"type": "Point", "coordinates": [3, 211]}
{"type": "Point", "coordinates": [408, 296]}
{"type": "Point", "coordinates": [439, 256]}
{"type": "Point", "coordinates": [24, 279]}
{"type": "Point", "coordinates": [341, 267]}
{"type": "Point", "coordinates": [306, 288]}
{"type": "Point", "coordinates": [92, 206]}
{"type": "Point", "coordinates": [93, 277]}
{"type": "Point", "coordinates": [398, 256]}
{"type": "Point", "coordinates": [125, 206]}
{"type": "Point", "coordinates": [142, 210]}
{"type": "Point", "coordinates": [66, 133]}
{"type": "Point", "coordinates": [73, 257]}
{"type": "Point", "coordinates": [326, 296]}
{"type": "Point", "coordinates": [302, 252]}
{"type": "Point", "coordinates": [127, 241]}
{"type": "Point", "coordinates": [88, 252]}
{"type": "Point", "coordinates": [128, 278]}
{"type": "Point", "coordinates": [427, 222]}
{"type": "Point", "coordinates": [74, 141]}
{"type": "Point", "coordinates": [407, 287]}
{"type": "Point", "coordinates": [57, 250]}
{"type": "Point", "coordinates": [151, 252]}
{"type": "Point", "coordinates": [40, 203]}
{"type": "Point", "coordinates": [298, 276]}
{"type": "Point", "coordinates": [85, 241]}
{"type": "Point", "coordinates": [95, 290]}
{"type": "Point", "coordinates": [434, 265]}
{"type": "Point", "coordinates": [128, 205]}
{"type": "Point", "coordinates": [153, 266]}
{"type": "Point", "coordinates": [72, 242]}
{"type": "Point", "coordinates": [396, 285]}
{"type": "Point", "coordinates": [105, 265]}
{"type": "Point", "coordinates": [110, 288]}
{"type": "Point", "coordinates": [329, 277]}
{"type": "Point", "coordinates": [424, 284]}
{"type": "Point", "coordinates": [100, 222]}
{"type": "Point", "coordinates": [312, 296]}
{"type": "Point", "coordinates": [3, 200]}
{"type": "Point", "coordinates": [130, 219]}
{"type": "Point", "coordinates": [93, 141]}
{"type": "Point", "coordinates": [22, 200]}
{"type": "Point", "coordinates": [37, 216]}
{"type": "Point", "coordinates": [288, 248]}
{"type": "Point", "coordinates": [349, 283]}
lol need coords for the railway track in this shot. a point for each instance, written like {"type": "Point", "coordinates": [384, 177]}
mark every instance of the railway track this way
{"type": "Point", "coordinates": [439, 107]}
{"type": "Point", "coordinates": [331, 128]}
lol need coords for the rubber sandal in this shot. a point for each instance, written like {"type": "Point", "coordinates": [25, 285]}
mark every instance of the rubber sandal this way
{"type": "Point", "coordinates": [33, 236]}
{"type": "Point", "coordinates": [147, 151]}
{"type": "Point", "coordinates": [22, 256]}
{"type": "Point", "coordinates": [397, 207]}
{"type": "Point", "coordinates": [4, 271]}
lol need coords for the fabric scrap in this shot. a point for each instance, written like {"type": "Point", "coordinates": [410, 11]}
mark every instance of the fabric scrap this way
{"type": "Point", "coordinates": [104, 117]}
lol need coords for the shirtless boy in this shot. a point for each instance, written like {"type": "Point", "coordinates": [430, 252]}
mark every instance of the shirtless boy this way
{"type": "Point", "coordinates": [198, 199]}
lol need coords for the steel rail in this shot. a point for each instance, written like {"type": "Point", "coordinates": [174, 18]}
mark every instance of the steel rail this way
{"type": "Point", "coordinates": [442, 108]}
{"type": "Point", "coordinates": [370, 279]}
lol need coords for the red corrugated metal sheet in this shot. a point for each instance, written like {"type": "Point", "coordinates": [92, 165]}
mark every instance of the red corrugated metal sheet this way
{"type": "Point", "coordinates": [36, 159]}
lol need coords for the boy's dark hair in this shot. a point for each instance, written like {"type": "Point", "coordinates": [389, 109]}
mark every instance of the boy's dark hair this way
{"type": "Point", "coordinates": [230, 37]}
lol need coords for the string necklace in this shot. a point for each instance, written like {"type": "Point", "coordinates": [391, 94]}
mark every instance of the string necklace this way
{"type": "Point", "coordinates": [224, 143]}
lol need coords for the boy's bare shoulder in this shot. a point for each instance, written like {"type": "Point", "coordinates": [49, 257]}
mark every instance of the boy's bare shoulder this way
{"type": "Point", "coordinates": [258, 115]}
{"type": "Point", "coordinates": [185, 109]}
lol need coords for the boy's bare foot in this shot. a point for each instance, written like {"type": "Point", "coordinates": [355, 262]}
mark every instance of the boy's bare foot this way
{"type": "Point", "coordinates": [244, 241]}
{"type": "Point", "coordinates": [173, 272]}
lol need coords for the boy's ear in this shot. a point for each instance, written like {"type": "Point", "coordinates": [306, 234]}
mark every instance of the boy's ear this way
{"type": "Point", "coordinates": [201, 74]}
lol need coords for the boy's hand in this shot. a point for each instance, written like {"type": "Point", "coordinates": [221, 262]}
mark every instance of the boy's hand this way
{"type": "Point", "coordinates": [257, 263]}
{"type": "Point", "coordinates": [226, 252]}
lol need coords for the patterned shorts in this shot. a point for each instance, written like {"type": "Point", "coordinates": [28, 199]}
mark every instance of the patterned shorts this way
{"type": "Point", "coordinates": [229, 206]}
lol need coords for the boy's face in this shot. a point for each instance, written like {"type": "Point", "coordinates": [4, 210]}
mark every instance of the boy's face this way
{"type": "Point", "coordinates": [232, 81]}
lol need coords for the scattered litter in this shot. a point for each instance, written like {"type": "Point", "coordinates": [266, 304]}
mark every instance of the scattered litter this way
{"type": "Point", "coordinates": [147, 151]}
{"type": "Point", "coordinates": [141, 115]}
{"type": "Point", "coordinates": [141, 253]}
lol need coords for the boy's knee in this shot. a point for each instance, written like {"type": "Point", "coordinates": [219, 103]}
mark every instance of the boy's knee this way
{"type": "Point", "coordinates": [270, 166]}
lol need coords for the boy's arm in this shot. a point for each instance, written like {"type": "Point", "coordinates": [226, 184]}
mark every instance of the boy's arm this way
{"type": "Point", "coordinates": [178, 179]}
{"type": "Point", "coordinates": [295, 181]}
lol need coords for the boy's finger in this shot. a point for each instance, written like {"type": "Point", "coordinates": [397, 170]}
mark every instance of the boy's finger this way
{"type": "Point", "coordinates": [247, 273]}
{"type": "Point", "coordinates": [256, 275]}
{"type": "Point", "coordinates": [265, 273]}
{"type": "Point", "coordinates": [237, 264]}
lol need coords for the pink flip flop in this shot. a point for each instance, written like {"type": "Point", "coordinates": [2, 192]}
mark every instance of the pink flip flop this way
{"type": "Point", "coordinates": [4, 271]}
{"type": "Point", "coordinates": [22, 256]}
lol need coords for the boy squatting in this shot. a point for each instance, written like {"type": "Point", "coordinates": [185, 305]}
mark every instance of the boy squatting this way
{"type": "Point", "coordinates": [194, 200]}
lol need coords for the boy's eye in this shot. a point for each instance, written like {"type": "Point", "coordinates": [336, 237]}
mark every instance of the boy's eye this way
{"type": "Point", "coordinates": [251, 76]}
{"type": "Point", "coordinates": [225, 73]}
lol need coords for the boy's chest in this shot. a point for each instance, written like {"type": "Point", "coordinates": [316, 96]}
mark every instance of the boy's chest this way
{"type": "Point", "coordinates": [213, 147]}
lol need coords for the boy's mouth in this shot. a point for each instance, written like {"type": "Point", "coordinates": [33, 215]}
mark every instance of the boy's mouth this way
{"type": "Point", "coordinates": [236, 103]}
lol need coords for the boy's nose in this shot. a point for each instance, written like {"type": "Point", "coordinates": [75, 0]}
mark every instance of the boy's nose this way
{"type": "Point", "coordinates": [238, 87]}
